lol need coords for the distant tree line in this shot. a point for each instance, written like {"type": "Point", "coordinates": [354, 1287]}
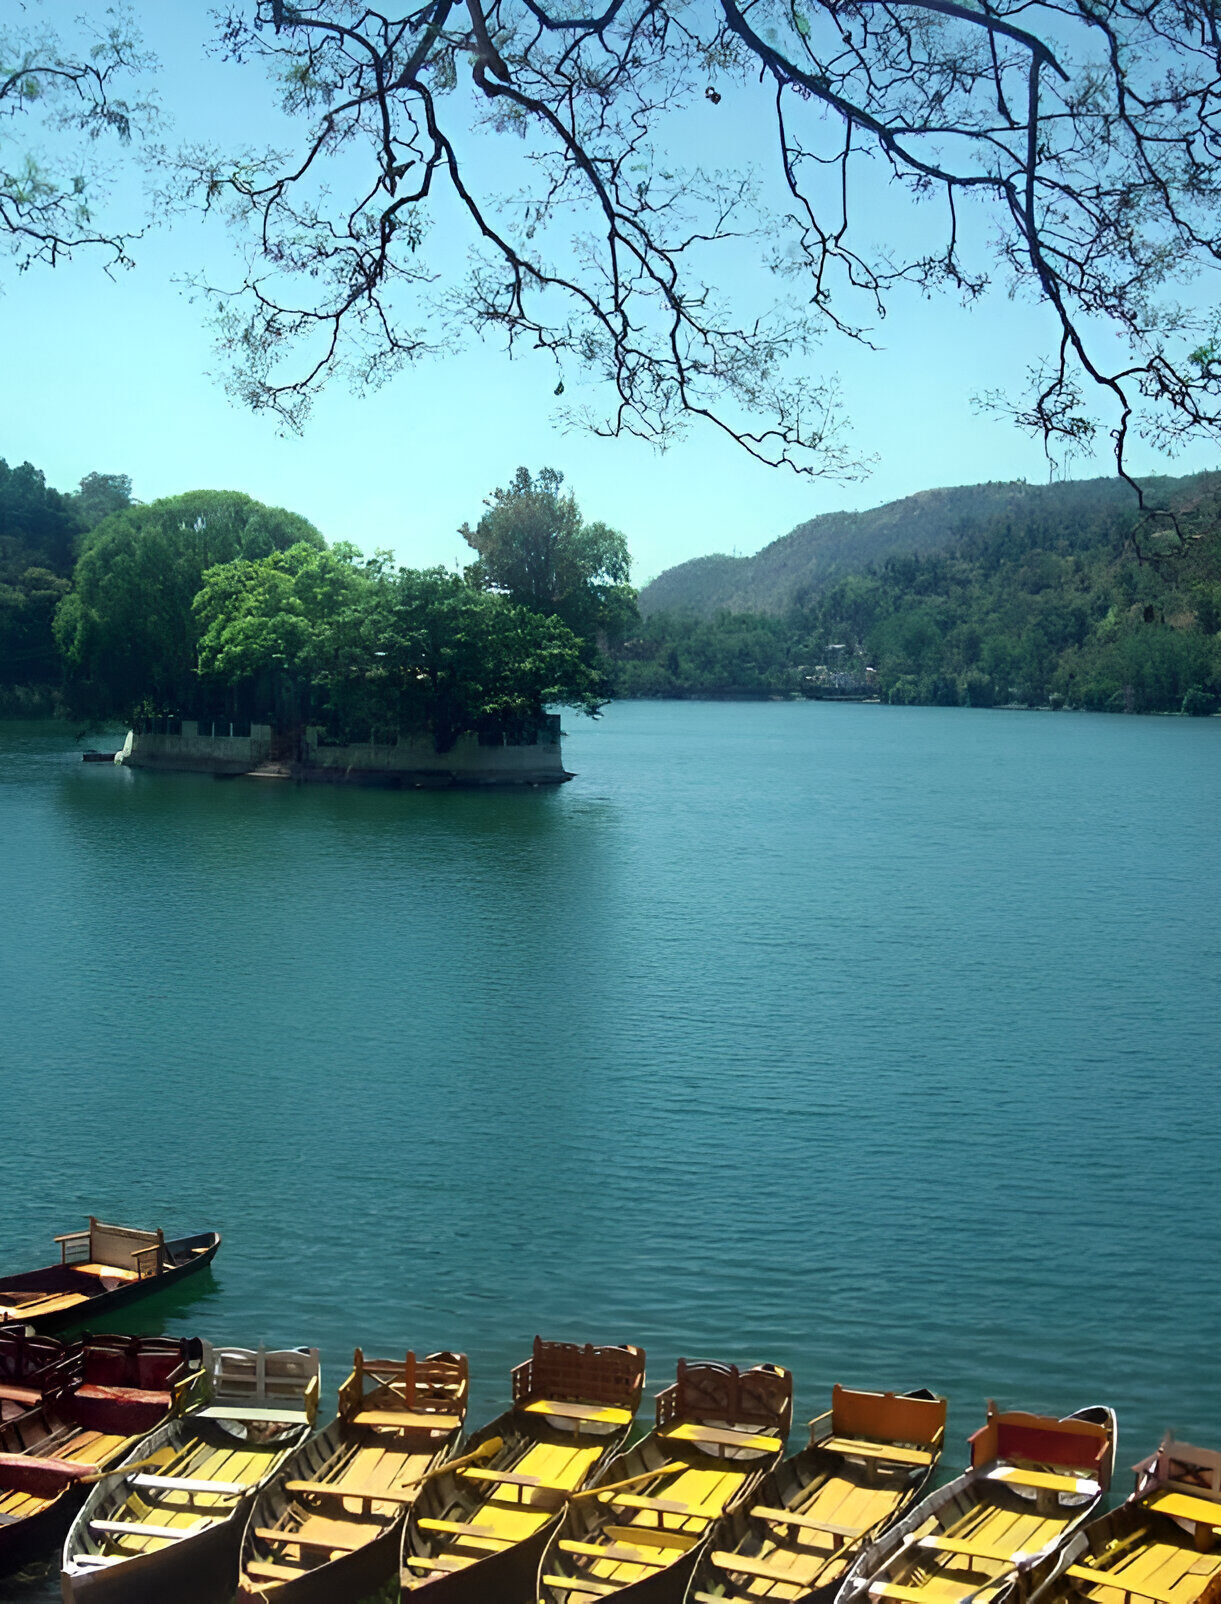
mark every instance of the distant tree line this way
{"type": "Point", "coordinates": [211, 604]}
{"type": "Point", "coordinates": [1054, 609]}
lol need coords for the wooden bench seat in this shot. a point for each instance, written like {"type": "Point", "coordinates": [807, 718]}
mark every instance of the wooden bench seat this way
{"type": "Point", "coordinates": [653, 1537]}
{"type": "Point", "coordinates": [511, 1478]}
{"type": "Point", "coordinates": [878, 1450]}
{"type": "Point", "coordinates": [111, 1271]}
{"type": "Point", "coordinates": [1043, 1480]}
{"type": "Point", "coordinates": [788, 1517]}
{"type": "Point", "coordinates": [22, 1395]}
{"type": "Point", "coordinates": [135, 1528]}
{"type": "Point", "coordinates": [662, 1506]}
{"type": "Point", "coordinates": [461, 1528]}
{"type": "Point", "coordinates": [600, 1414]}
{"type": "Point", "coordinates": [327, 1489]}
{"type": "Point", "coordinates": [270, 1572]}
{"type": "Point", "coordinates": [1183, 1506]}
{"type": "Point", "coordinates": [746, 1565]}
{"type": "Point", "coordinates": [970, 1550]}
{"type": "Point", "coordinates": [187, 1484]}
{"type": "Point", "coordinates": [343, 1544]}
{"type": "Point", "coordinates": [717, 1436]}
{"type": "Point", "coordinates": [909, 1595]}
{"type": "Point", "coordinates": [617, 1553]}
{"type": "Point", "coordinates": [444, 1562]}
{"type": "Point", "coordinates": [581, 1584]}
{"type": "Point", "coordinates": [407, 1420]}
{"type": "Point", "coordinates": [1087, 1573]}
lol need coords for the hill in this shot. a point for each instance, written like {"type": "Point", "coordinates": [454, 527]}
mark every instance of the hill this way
{"type": "Point", "coordinates": [986, 595]}
{"type": "Point", "coordinates": [794, 568]}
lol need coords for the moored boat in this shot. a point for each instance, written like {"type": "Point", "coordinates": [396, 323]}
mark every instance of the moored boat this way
{"type": "Point", "coordinates": [168, 1524]}
{"type": "Point", "coordinates": [477, 1531]}
{"type": "Point", "coordinates": [326, 1529]}
{"type": "Point", "coordinates": [869, 1458]}
{"type": "Point", "coordinates": [638, 1532]}
{"type": "Point", "coordinates": [1033, 1480]}
{"type": "Point", "coordinates": [1159, 1547]}
{"type": "Point", "coordinates": [100, 1269]}
{"type": "Point", "coordinates": [94, 1402]}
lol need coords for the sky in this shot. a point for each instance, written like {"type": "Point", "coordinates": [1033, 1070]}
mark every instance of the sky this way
{"type": "Point", "coordinates": [121, 375]}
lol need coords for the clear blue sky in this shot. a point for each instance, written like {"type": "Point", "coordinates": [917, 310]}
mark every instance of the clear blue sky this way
{"type": "Point", "coordinates": [121, 376]}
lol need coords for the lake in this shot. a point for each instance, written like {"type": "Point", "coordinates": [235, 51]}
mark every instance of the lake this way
{"type": "Point", "coordinates": [882, 1043]}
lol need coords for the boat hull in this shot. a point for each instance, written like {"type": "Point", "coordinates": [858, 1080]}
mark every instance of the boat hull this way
{"type": "Point", "coordinates": [37, 1535]}
{"type": "Point", "coordinates": [196, 1571]}
{"type": "Point", "coordinates": [344, 1581]}
{"type": "Point", "coordinates": [102, 1302]}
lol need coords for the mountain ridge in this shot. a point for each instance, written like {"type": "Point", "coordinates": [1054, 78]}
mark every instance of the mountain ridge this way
{"type": "Point", "coordinates": [791, 569]}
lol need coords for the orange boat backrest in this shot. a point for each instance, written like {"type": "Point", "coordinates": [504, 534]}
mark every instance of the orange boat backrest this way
{"type": "Point", "coordinates": [707, 1391]}
{"type": "Point", "coordinates": [570, 1373]}
{"type": "Point", "coordinates": [887, 1416]}
{"type": "Point", "coordinates": [1017, 1438]}
{"type": "Point", "coordinates": [437, 1384]}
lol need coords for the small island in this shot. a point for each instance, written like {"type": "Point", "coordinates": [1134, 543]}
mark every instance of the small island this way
{"type": "Point", "coordinates": [233, 640]}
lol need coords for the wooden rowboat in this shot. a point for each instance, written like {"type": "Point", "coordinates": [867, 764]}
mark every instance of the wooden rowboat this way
{"type": "Point", "coordinates": [93, 1403]}
{"type": "Point", "coordinates": [869, 1458]}
{"type": "Point", "coordinates": [637, 1534]}
{"type": "Point", "coordinates": [326, 1529]}
{"type": "Point", "coordinates": [1033, 1480]}
{"type": "Point", "coordinates": [477, 1531]}
{"type": "Point", "coordinates": [168, 1524]}
{"type": "Point", "coordinates": [100, 1269]}
{"type": "Point", "coordinates": [1157, 1548]}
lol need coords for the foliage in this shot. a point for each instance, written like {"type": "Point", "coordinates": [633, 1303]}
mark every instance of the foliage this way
{"type": "Point", "coordinates": [362, 647]}
{"type": "Point", "coordinates": [82, 92]}
{"type": "Point", "coordinates": [99, 495]}
{"type": "Point", "coordinates": [128, 632]}
{"type": "Point", "coordinates": [1068, 152]}
{"type": "Point", "coordinates": [1045, 609]}
{"type": "Point", "coordinates": [534, 545]}
{"type": "Point", "coordinates": [39, 530]}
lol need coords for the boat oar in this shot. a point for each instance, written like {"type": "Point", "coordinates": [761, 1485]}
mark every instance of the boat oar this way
{"type": "Point", "coordinates": [485, 1450]}
{"type": "Point", "coordinates": [120, 1470]}
{"type": "Point", "coordinates": [630, 1481]}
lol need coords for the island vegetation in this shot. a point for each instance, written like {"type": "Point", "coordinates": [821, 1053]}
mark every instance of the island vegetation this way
{"type": "Point", "coordinates": [211, 603]}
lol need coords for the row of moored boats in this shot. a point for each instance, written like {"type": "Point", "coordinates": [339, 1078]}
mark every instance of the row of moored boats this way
{"type": "Point", "coordinates": [182, 1470]}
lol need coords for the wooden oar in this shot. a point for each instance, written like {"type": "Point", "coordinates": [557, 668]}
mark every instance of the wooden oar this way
{"type": "Point", "coordinates": [487, 1450]}
{"type": "Point", "coordinates": [630, 1481]}
{"type": "Point", "coordinates": [121, 1470]}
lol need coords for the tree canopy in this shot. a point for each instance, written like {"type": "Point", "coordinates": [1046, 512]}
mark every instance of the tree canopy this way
{"type": "Point", "coordinates": [1062, 150]}
{"type": "Point", "coordinates": [128, 631]}
{"type": "Point", "coordinates": [362, 647]}
{"type": "Point", "coordinates": [534, 545]}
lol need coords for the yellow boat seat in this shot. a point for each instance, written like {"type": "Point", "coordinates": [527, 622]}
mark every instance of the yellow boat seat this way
{"type": "Point", "coordinates": [909, 1595]}
{"type": "Point", "coordinates": [1043, 1480]}
{"type": "Point", "coordinates": [690, 1431]}
{"type": "Point", "coordinates": [878, 1450]}
{"type": "Point", "coordinates": [745, 1565]}
{"type": "Point", "coordinates": [662, 1506]}
{"type": "Point", "coordinates": [962, 1545]}
{"type": "Point", "coordinates": [581, 1584]}
{"type": "Point", "coordinates": [1182, 1506]}
{"type": "Point", "coordinates": [788, 1517]}
{"type": "Point", "coordinates": [407, 1420]}
{"type": "Point", "coordinates": [327, 1489]}
{"type": "Point", "coordinates": [600, 1414]}
{"type": "Point", "coordinates": [620, 1553]}
{"type": "Point", "coordinates": [1087, 1573]}
{"type": "Point", "coordinates": [342, 1544]}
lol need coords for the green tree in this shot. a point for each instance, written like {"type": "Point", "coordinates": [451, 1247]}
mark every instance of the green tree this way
{"type": "Point", "coordinates": [534, 545]}
{"type": "Point", "coordinates": [128, 632]}
{"type": "Point", "coordinates": [351, 642]}
{"type": "Point", "coordinates": [99, 495]}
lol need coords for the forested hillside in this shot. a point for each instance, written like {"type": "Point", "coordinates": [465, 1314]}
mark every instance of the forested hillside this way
{"type": "Point", "coordinates": [1038, 599]}
{"type": "Point", "coordinates": [811, 557]}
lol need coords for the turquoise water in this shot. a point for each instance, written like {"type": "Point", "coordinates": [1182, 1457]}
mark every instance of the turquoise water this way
{"type": "Point", "coordinates": [879, 1042]}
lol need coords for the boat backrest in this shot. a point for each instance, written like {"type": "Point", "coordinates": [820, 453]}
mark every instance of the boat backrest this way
{"type": "Point", "coordinates": [887, 1416]}
{"type": "Point", "coordinates": [437, 1384]}
{"type": "Point", "coordinates": [126, 1248]}
{"type": "Point", "coordinates": [24, 1356]}
{"type": "Point", "coordinates": [570, 1373]}
{"type": "Point", "coordinates": [147, 1363]}
{"type": "Point", "coordinates": [263, 1377]}
{"type": "Point", "coordinates": [1183, 1467]}
{"type": "Point", "coordinates": [718, 1393]}
{"type": "Point", "coordinates": [1018, 1438]}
